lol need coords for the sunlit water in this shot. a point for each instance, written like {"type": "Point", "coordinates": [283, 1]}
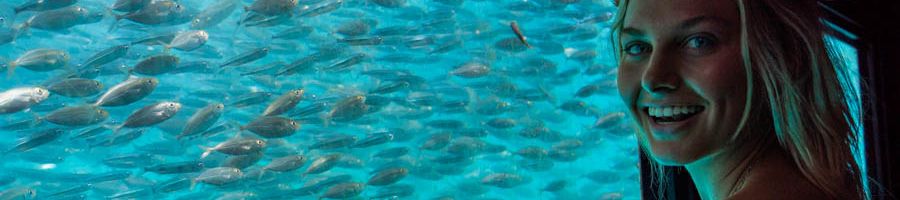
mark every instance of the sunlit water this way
{"type": "Point", "coordinates": [533, 87]}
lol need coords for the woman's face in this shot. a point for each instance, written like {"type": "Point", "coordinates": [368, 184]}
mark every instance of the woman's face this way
{"type": "Point", "coordinates": [681, 75]}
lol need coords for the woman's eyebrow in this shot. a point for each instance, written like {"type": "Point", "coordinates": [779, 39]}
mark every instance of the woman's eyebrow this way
{"type": "Point", "coordinates": [685, 25]}
{"type": "Point", "coordinates": [631, 31]}
{"type": "Point", "coordinates": [692, 22]}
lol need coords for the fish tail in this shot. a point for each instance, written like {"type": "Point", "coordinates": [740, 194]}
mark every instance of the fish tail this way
{"type": "Point", "coordinates": [115, 24]}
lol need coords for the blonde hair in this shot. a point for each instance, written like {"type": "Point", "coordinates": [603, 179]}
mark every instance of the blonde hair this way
{"type": "Point", "coordinates": [795, 88]}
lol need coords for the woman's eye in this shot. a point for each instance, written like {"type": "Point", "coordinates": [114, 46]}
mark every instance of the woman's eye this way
{"type": "Point", "coordinates": [699, 44]}
{"type": "Point", "coordinates": [636, 49]}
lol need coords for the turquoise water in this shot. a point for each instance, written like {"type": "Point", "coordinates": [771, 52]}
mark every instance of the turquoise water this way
{"type": "Point", "coordinates": [477, 113]}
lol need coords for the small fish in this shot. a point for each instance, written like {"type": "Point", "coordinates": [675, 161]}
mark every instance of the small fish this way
{"type": "Point", "coordinates": [189, 40]}
{"type": "Point", "coordinates": [556, 185]}
{"type": "Point", "coordinates": [272, 126]}
{"type": "Point", "coordinates": [505, 180]}
{"type": "Point", "coordinates": [388, 176]}
{"type": "Point", "coordinates": [252, 98]}
{"type": "Point", "coordinates": [43, 5]}
{"type": "Point", "coordinates": [61, 20]}
{"type": "Point", "coordinates": [246, 57]}
{"type": "Point", "coordinates": [192, 67]}
{"type": "Point", "coordinates": [40, 60]}
{"type": "Point", "coordinates": [328, 7]}
{"type": "Point", "coordinates": [272, 7]}
{"type": "Point", "coordinates": [151, 115]}
{"type": "Point", "coordinates": [348, 109]}
{"type": "Point", "coordinates": [345, 64]}
{"type": "Point", "coordinates": [343, 191]}
{"type": "Point", "coordinates": [36, 139]}
{"type": "Point", "coordinates": [202, 120]}
{"type": "Point", "coordinates": [109, 176]}
{"type": "Point", "coordinates": [236, 146]}
{"type": "Point", "coordinates": [106, 56]}
{"type": "Point", "coordinates": [176, 167]}
{"type": "Point", "coordinates": [356, 27]}
{"type": "Point", "coordinates": [293, 33]}
{"type": "Point", "coordinates": [284, 164]}
{"type": "Point", "coordinates": [393, 152]}
{"type": "Point", "coordinates": [129, 5]}
{"type": "Point", "coordinates": [362, 41]}
{"type": "Point", "coordinates": [132, 160]}
{"type": "Point", "coordinates": [436, 141]}
{"type": "Point", "coordinates": [301, 65]}
{"type": "Point", "coordinates": [501, 123]}
{"type": "Point", "coordinates": [374, 139]}
{"type": "Point", "coordinates": [532, 152]}
{"type": "Point", "coordinates": [214, 14]}
{"type": "Point", "coordinates": [116, 139]}
{"type": "Point", "coordinates": [471, 70]}
{"type": "Point", "coordinates": [155, 13]}
{"type": "Point", "coordinates": [218, 176]}
{"type": "Point", "coordinates": [173, 184]}
{"type": "Point", "coordinates": [515, 28]}
{"type": "Point", "coordinates": [156, 65]}
{"type": "Point", "coordinates": [127, 92]}
{"type": "Point", "coordinates": [308, 110]}
{"type": "Point", "coordinates": [323, 163]}
{"type": "Point", "coordinates": [76, 87]}
{"type": "Point", "coordinates": [394, 191]}
{"type": "Point", "coordinates": [243, 161]}
{"type": "Point", "coordinates": [334, 142]}
{"type": "Point", "coordinates": [78, 115]}
{"type": "Point", "coordinates": [390, 88]}
{"type": "Point", "coordinates": [18, 99]}
{"type": "Point", "coordinates": [284, 103]}
{"type": "Point", "coordinates": [390, 3]}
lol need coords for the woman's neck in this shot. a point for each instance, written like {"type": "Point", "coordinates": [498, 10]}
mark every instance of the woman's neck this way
{"type": "Point", "coordinates": [719, 175]}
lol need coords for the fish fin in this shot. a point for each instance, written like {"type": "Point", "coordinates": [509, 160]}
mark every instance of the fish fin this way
{"type": "Point", "coordinates": [206, 151]}
{"type": "Point", "coordinates": [115, 24]}
{"type": "Point", "coordinates": [11, 70]}
{"type": "Point", "coordinates": [261, 172]}
{"type": "Point", "coordinates": [193, 184]}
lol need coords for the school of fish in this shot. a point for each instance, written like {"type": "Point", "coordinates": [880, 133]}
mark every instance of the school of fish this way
{"type": "Point", "coordinates": [312, 99]}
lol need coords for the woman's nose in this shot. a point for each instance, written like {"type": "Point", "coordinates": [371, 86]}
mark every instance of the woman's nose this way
{"type": "Point", "coordinates": [660, 76]}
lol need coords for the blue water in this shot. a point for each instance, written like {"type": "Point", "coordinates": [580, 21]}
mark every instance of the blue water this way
{"type": "Point", "coordinates": [533, 87]}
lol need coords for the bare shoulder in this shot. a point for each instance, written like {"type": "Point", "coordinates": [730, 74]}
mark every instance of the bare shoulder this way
{"type": "Point", "coordinates": [793, 187]}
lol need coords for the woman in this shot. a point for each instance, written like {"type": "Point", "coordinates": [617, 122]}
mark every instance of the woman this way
{"type": "Point", "coordinates": [742, 93]}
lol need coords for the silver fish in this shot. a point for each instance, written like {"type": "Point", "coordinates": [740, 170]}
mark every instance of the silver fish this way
{"type": "Point", "coordinates": [236, 146]}
{"type": "Point", "coordinates": [246, 57]}
{"type": "Point", "coordinates": [76, 87]}
{"type": "Point", "coordinates": [189, 40]}
{"type": "Point", "coordinates": [128, 92]}
{"type": "Point", "coordinates": [151, 114]}
{"type": "Point", "coordinates": [272, 126]}
{"type": "Point", "coordinates": [18, 99]}
{"type": "Point", "coordinates": [214, 14]}
{"type": "Point", "coordinates": [284, 103]}
{"type": "Point", "coordinates": [78, 115]}
{"type": "Point", "coordinates": [40, 60]}
{"type": "Point", "coordinates": [202, 120]}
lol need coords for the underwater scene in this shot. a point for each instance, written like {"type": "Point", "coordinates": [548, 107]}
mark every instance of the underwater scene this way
{"type": "Point", "coordinates": [312, 99]}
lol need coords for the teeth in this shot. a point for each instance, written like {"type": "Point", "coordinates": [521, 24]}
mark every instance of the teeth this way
{"type": "Point", "coordinates": [670, 111]}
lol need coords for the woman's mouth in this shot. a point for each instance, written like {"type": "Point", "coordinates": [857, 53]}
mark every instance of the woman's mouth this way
{"type": "Point", "coordinates": [672, 114]}
{"type": "Point", "coordinates": [667, 121]}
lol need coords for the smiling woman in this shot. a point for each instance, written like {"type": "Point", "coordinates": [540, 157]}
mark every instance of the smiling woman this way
{"type": "Point", "coordinates": [743, 94]}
